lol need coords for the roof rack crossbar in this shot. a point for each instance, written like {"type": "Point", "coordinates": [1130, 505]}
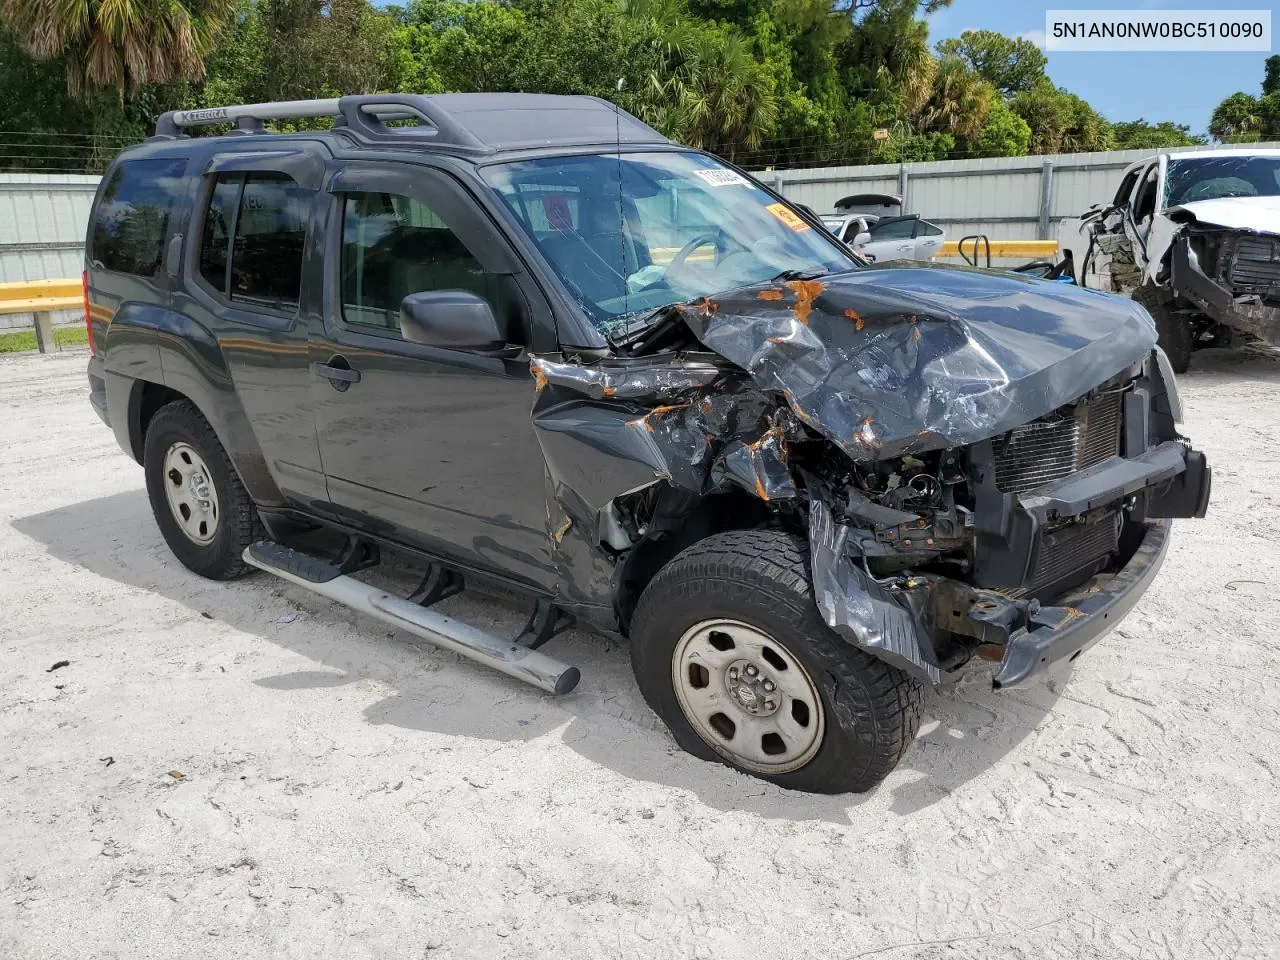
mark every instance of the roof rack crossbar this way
{"type": "Point", "coordinates": [364, 115]}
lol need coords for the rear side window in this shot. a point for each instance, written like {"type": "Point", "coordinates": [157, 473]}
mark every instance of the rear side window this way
{"type": "Point", "coordinates": [928, 229]}
{"type": "Point", "coordinates": [894, 229]}
{"type": "Point", "coordinates": [251, 241]}
{"type": "Point", "coordinates": [130, 221]}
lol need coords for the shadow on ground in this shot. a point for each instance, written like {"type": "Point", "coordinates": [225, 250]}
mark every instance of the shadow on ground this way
{"type": "Point", "coordinates": [967, 727]}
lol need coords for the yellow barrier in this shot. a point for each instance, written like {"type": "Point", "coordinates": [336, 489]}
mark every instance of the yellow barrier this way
{"type": "Point", "coordinates": [1034, 249]}
{"type": "Point", "coordinates": [41, 298]}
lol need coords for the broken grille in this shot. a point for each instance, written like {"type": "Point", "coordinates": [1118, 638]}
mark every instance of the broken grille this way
{"type": "Point", "coordinates": [1068, 440]}
{"type": "Point", "coordinates": [1073, 550]}
{"type": "Point", "coordinates": [1256, 263]}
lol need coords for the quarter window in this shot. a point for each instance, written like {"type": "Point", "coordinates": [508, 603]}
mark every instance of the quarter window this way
{"type": "Point", "coordinates": [130, 221]}
{"type": "Point", "coordinates": [393, 246]}
{"type": "Point", "coordinates": [252, 238]}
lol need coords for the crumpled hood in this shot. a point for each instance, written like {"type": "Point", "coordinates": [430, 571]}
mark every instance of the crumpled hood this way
{"type": "Point", "coordinates": [894, 359]}
{"type": "Point", "coordinates": [1259, 214]}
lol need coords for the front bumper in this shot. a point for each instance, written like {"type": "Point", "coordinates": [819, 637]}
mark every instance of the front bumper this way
{"type": "Point", "coordinates": [1058, 633]}
{"type": "Point", "coordinates": [1218, 300]}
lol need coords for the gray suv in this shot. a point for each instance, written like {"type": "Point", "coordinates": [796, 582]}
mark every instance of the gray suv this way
{"type": "Point", "coordinates": [527, 341]}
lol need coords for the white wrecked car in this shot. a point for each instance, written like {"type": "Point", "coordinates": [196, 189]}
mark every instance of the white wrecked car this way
{"type": "Point", "coordinates": [1195, 237]}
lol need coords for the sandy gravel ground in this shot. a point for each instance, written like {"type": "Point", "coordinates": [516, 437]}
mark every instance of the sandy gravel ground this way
{"type": "Point", "coordinates": [204, 780]}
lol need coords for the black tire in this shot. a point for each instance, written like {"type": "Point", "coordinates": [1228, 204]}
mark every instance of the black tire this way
{"type": "Point", "coordinates": [1173, 330]}
{"type": "Point", "coordinates": [237, 523]}
{"type": "Point", "coordinates": [761, 578]}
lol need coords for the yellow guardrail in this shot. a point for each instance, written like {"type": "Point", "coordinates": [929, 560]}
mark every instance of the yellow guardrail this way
{"type": "Point", "coordinates": [1034, 249]}
{"type": "Point", "coordinates": [40, 298]}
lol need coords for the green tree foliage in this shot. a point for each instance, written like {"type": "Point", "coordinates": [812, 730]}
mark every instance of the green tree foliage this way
{"type": "Point", "coordinates": [1271, 76]}
{"type": "Point", "coordinates": [1010, 64]}
{"type": "Point", "coordinates": [1003, 134]}
{"type": "Point", "coordinates": [1239, 115]}
{"type": "Point", "coordinates": [119, 44]}
{"type": "Point", "coordinates": [762, 82]}
{"type": "Point", "coordinates": [1138, 134]}
{"type": "Point", "coordinates": [1061, 122]}
{"type": "Point", "coordinates": [43, 128]}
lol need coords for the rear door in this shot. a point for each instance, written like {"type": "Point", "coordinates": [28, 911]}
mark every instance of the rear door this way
{"type": "Point", "coordinates": [892, 239]}
{"type": "Point", "coordinates": [243, 289]}
{"type": "Point", "coordinates": [430, 447]}
{"type": "Point", "coordinates": [929, 239]}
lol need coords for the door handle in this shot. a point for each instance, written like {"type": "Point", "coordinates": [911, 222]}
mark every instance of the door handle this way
{"type": "Point", "coordinates": [339, 377]}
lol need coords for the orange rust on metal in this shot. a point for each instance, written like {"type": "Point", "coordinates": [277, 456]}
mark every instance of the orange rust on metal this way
{"type": "Point", "coordinates": [1073, 613]}
{"type": "Point", "coordinates": [608, 391]}
{"type": "Point", "coordinates": [539, 378]}
{"type": "Point", "coordinates": [760, 491]}
{"type": "Point", "coordinates": [993, 652]}
{"type": "Point", "coordinates": [558, 536]}
{"type": "Point", "coordinates": [806, 292]}
{"type": "Point", "coordinates": [769, 295]}
{"type": "Point", "coordinates": [656, 412]}
{"type": "Point", "coordinates": [706, 306]}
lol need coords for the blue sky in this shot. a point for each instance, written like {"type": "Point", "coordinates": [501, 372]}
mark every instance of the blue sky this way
{"type": "Point", "coordinates": [1183, 87]}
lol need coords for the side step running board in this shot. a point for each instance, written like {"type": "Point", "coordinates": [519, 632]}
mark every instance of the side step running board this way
{"type": "Point", "coordinates": [325, 579]}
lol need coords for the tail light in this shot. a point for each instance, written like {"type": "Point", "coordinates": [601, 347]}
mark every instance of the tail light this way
{"type": "Point", "coordinates": [88, 319]}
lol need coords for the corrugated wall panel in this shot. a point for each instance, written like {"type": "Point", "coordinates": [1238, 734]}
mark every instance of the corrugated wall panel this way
{"type": "Point", "coordinates": [998, 196]}
{"type": "Point", "coordinates": [43, 218]}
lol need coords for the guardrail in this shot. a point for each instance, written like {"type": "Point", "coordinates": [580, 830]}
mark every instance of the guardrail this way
{"type": "Point", "coordinates": [1034, 249]}
{"type": "Point", "coordinates": [40, 298]}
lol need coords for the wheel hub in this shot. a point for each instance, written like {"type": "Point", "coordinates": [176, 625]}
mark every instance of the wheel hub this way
{"type": "Point", "coordinates": [752, 686]}
{"type": "Point", "coordinates": [747, 696]}
{"type": "Point", "coordinates": [191, 494]}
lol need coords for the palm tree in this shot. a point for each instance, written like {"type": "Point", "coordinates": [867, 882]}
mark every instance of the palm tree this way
{"type": "Point", "coordinates": [119, 43]}
{"type": "Point", "coordinates": [703, 85]}
{"type": "Point", "coordinates": [958, 102]}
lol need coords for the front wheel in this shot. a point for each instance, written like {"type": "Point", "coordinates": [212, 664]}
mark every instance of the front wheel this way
{"type": "Point", "coordinates": [730, 651]}
{"type": "Point", "coordinates": [1173, 330]}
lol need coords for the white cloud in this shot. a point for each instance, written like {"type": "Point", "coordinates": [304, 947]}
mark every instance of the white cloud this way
{"type": "Point", "coordinates": [1035, 36]}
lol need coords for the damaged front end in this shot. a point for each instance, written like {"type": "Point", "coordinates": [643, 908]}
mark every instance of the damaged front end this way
{"type": "Point", "coordinates": [1232, 275]}
{"type": "Point", "coordinates": [981, 465]}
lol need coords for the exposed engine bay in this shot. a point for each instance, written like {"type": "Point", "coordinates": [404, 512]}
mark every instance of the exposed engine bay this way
{"type": "Point", "coordinates": [951, 487]}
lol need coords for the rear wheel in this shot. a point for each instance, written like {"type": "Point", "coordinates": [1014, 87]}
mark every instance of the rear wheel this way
{"type": "Point", "coordinates": [730, 651]}
{"type": "Point", "coordinates": [200, 505]}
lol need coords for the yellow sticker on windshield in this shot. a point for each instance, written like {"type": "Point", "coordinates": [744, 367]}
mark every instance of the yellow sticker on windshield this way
{"type": "Point", "coordinates": [787, 216]}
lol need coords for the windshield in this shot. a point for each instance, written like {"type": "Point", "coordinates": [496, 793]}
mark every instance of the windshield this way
{"type": "Point", "coordinates": [1214, 178]}
{"type": "Point", "coordinates": [633, 233]}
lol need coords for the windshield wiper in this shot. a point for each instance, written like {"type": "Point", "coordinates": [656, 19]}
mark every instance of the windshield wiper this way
{"type": "Point", "coordinates": [801, 274]}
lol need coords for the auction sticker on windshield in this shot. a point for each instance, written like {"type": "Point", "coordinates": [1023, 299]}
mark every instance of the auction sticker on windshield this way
{"type": "Point", "coordinates": [787, 216]}
{"type": "Point", "coordinates": [721, 178]}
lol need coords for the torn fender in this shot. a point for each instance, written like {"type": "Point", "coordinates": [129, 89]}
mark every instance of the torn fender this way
{"type": "Point", "coordinates": [862, 611]}
{"type": "Point", "coordinates": [891, 360]}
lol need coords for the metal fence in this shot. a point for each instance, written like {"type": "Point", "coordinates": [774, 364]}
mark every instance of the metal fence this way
{"type": "Point", "coordinates": [43, 218]}
{"type": "Point", "coordinates": [1010, 198]}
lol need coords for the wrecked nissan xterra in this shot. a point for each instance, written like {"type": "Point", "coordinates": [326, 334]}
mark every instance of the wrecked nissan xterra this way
{"type": "Point", "coordinates": [527, 341]}
{"type": "Point", "coordinates": [1195, 238]}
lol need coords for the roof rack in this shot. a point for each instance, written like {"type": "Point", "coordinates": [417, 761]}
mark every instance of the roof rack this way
{"type": "Point", "coordinates": [366, 116]}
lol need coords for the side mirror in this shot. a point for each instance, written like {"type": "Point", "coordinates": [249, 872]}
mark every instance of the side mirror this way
{"type": "Point", "coordinates": [452, 319]}
{"type": "Point", "coordinates": [860, 239]}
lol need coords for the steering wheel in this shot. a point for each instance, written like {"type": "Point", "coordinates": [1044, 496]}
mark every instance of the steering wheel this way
{"type": "Point", "coordinates": [683, 253]}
